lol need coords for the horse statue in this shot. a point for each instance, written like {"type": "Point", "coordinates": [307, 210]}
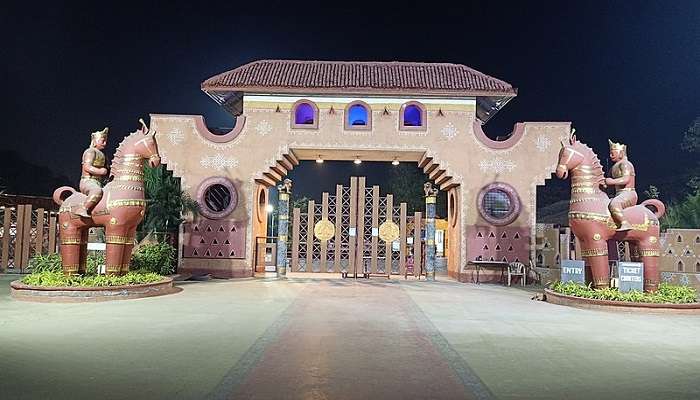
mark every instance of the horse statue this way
{"type": "Point", "coordinates": [120, 210]}
{"type": "Point", "coordinates": [591, 222]}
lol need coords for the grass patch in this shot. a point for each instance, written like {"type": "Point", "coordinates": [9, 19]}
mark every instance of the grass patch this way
{"type": "Point", "coordinates": [58, 279]}
{"type": "Point", "coordinates": [667, 293]}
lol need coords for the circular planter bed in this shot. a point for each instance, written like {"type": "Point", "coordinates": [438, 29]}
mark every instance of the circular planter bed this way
{"type": "Point", "coordinates": [628, 306]}
{"type": "Point", "coordinates": [80, 294]}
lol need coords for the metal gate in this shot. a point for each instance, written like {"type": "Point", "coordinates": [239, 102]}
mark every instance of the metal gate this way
{"type": "Point", "coordinates": [355, 232]}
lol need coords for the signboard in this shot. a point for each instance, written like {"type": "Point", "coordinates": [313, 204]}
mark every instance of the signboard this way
{"type": "Point", "coordinates": [574, 271]}
{"type": "Point", "coordinates": [375, 231]}
{"type": "Point", "coordinates": [631, 275]}
{"type": "Point", "coordinates": [439, 242]}
{"type": "Point", "coordinates": [97, 246]}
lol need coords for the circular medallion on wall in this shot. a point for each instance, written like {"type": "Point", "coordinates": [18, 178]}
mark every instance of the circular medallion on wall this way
{"type": "Point", "coordinates": [499, 203]}
{"type": "Point", "coordinates": [388, 231]}
{"type": "Point", "coordinates": [217, 197]}
{"type": "Point", "coordinates": [324, 230]}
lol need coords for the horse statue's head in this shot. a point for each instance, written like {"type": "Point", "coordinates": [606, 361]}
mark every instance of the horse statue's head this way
{"type": "Point", "coordinates": [146, 146]}
{"type": "Point", "coordinates": [570, 156]}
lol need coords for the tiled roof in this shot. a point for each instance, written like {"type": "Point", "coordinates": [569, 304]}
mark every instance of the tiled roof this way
{"type": "Point", "coordinates": [374, 77]}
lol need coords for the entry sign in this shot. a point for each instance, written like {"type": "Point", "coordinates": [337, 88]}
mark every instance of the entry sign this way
{"type": "Point", "coordinates": [631, 276]}
{"type": "Point", "coordinates": [573, 271]}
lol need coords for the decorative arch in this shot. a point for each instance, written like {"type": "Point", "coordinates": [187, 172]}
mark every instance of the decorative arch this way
{"type": "Point", "coordinates": [413, 117]}
{"type": "Point", "coordinates": [304, 115]}
{"type": "Point", "coordinates": [226, 137]}
{"type": "Point", "coordinates": [513, 138]}
{"type": "Point", "coordinates": [355, 112]}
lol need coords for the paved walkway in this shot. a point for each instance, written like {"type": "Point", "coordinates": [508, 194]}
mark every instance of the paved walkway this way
{"type": "Point", "coordinates": [342, 339]}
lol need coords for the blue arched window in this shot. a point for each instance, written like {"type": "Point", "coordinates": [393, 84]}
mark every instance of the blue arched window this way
{"type": "Point", "coordinates": [412, 116]}
{"type": "Point", "coordinates": [357, 115]}
{"type": "Point", "coordinates": [304, 114]}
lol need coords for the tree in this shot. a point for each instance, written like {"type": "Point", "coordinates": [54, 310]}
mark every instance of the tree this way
{"type": "Point", "coordinates": [406, 185]}
{"type": "Point", "coordinates": [166, 202]}
{"type": "Point", "coordinates": [691, 139]}
{"type": "Point", "coordinates": [652, 192]}
{"type": "Point", "coordinates": [685, 214]}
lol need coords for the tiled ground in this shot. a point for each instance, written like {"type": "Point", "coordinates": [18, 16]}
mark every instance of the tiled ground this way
{"type": "Point", "coordinates": [342, 339]}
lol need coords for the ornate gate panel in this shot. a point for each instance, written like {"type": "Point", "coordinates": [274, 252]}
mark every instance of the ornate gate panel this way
{"type": "Point", "coordinates": [353, 232]}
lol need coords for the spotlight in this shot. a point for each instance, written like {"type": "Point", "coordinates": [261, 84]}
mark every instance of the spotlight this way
{"type": "Point", "coordinates": [357, 160]}
{"type": "Point", "coordinates": [395, 162]}
{"type": "Point", "coordinates": [319, 160]}
{"type": "Point", "coordinates": [269, 208]}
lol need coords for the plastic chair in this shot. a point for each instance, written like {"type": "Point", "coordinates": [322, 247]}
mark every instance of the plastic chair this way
{"type": "Point", "coordinates": [516, 268]}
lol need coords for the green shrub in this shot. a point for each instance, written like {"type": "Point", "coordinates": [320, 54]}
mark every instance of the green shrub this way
{"type": "Point", "coordinates": [54, 279]}
{"type": "Point", "coordinates": [155, 257]}
{"type": "Point", "coordinates": [666, 293]}
{"type": "Point", "coordinates": [48, 262]}
{"type": "Point", "coordinates": [52, 263]}
{"type": "Point", "coordinates": [93, 263]}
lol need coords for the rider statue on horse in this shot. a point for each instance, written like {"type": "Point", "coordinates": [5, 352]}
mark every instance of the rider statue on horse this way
{"type": "Point", "coordinates": [119, 206]}
{"type": "Point", "coordinates": [623, 180]}
{"type": "Point", "coordinates": [94, 172]}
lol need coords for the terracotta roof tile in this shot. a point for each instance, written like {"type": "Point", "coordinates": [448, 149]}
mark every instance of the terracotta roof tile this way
{"type": "Point", "coordinates": [328, 76]}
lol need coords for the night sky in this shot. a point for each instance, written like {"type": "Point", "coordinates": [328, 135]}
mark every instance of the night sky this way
{"type": "Point", "coordinates": [629, 71]}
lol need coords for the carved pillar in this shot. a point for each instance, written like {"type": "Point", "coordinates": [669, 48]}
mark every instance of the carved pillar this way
{"type": "Point", "coordinates": [284, 193]}
{"type": "Point", "coordinates": [430, 199]}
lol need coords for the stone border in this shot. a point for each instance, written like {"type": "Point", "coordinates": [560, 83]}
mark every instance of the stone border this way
{"type": "Point", "coordinates": [611, 305]}
{"type": "Point", "coordinates": [23, 292]}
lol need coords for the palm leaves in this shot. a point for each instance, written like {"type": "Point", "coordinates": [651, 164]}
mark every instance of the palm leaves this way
{"type": "Point", "coordinates": [685, 214]}
{"type": "Point", "coordinates": [166, 201]}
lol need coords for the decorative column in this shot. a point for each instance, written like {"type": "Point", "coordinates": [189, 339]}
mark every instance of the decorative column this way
{"type": "Point", "coordinates": [284, 192]}
{"type": "Point", "coordinates": [430, 199]}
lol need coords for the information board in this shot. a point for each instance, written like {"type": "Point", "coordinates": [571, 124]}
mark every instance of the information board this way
{"type": "Point", "coordinates": [631, 275]}
{"type": "Point", "coordinates": [573, 271]}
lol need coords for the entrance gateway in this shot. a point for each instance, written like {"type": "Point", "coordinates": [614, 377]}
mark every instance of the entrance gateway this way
{"type": "Point", "coordinates": [285, 111]}
{"type": "Point", "coordinates": [365, 234]}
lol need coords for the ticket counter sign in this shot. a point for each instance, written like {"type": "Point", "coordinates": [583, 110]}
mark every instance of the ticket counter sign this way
{"type": "Point", "coordinates": [573, 271]}
{"type": "Point", "coordinates": [631, 275]}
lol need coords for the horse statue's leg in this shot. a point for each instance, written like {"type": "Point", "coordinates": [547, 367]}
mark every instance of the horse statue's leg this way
{"type": "Point", "coordinates": [600, 271]}
{"type": "Point", "coordinates": [82, 266]}
{"type": "Point", "coordinates": [116, 238]}
{"type": "Point", "coordinates": [70, 238]}
{"type": "Point", "coordinates": [650, 251]}
{"type": "Point", "coordinates": [126, 255]}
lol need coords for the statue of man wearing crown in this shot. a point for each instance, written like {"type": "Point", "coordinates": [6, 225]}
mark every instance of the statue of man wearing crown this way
{"type": "Point", "coordinates": [94, 172]}
{"type": "Point", "coordinates": [623, 180]}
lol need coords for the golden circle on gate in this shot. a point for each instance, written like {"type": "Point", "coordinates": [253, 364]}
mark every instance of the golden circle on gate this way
{"type": "Point", "coordinates": [388, 231]}
{"type": "Point", "coordinates": [324, 230]}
